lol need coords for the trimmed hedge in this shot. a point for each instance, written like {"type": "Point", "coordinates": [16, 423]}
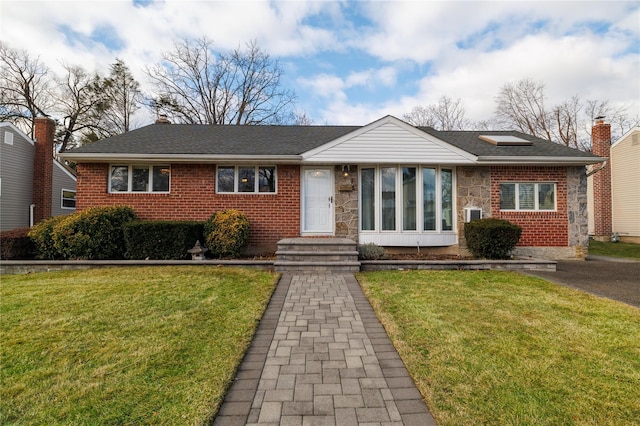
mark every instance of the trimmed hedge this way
{"type": "Point", "coordinates": [162, 240]}
{"type": "Point", "coordinates": [16, 244]}
{"type": "Point", "coordinates": [42, 236]}
{"type": "Point", "coordinates": [370, 251]}
{"type": "Point", "coordinates": [226, 232]}
{"type": "Point", "coordinates": [491, 238]}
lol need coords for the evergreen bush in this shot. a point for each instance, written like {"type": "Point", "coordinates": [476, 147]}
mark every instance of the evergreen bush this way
{"type": "Point", "coordinates": [16, 244]}
{"type": "Point", "coordinates": [491, 238]}
{"type": "Point", "coordinates": [226, 232]}
{"type": "Point", "coordinates": [370, 251]}
{"type": "Point", "coordinates": [96, 233]}
{"type": "Point", "coordinates": [161, 239]}
{"type": "Point", "coordinates": [42, 236]}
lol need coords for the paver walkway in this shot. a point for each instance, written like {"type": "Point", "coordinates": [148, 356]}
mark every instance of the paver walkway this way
{"type": "Point", "coordinates": [321, 357]}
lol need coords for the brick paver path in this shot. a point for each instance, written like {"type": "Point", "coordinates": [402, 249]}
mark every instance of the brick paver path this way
{"type": "Point", "coordinates": [321, 357]}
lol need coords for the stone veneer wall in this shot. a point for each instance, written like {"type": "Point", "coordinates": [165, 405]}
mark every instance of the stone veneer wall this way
{"type": "Point", "coordinates": [577, 209]}
{"type": "Point", "coordinates": [346, 203]}
{"type": "Point", "coordinates": [473, 190]}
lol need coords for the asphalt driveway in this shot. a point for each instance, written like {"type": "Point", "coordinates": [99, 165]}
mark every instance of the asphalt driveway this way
{"type": "Point", "coordinates": [616, 279]}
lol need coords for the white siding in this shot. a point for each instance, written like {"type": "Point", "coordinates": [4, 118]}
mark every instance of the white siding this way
{"type": "Point", "coordinates": [625, 184]}
{"type": "Point", "coordinates": [389, 143]}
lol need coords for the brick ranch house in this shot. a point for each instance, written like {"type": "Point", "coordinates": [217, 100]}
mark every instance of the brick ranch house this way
{"type": "Point", "coordinates": [387, 182]}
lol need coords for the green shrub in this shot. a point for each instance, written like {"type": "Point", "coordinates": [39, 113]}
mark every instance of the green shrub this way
{"type": "Point", "coordinates": [161, 239]}
{"type": "Point", "coordinates": [42, 236]}
{"type": "Point", "coordinates": [370, 251]}
{"type": "Point", "coordinates": [226, 232]}
{"type": "Point", "coordinates": [95, 233]}
{"type": "Point", "coordinates": [16, 244]}
{"type": "Point", "coordinates": [491, 238]}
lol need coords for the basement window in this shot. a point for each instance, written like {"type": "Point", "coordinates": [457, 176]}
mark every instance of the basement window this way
{"type": "Point", "coordinates": [139, 178]}
{"type": "Point", "coordinates": [528, 196]}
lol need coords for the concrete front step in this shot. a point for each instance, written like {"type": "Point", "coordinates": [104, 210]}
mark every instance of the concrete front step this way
{"type": "Point", "coordinates": [317, 254]}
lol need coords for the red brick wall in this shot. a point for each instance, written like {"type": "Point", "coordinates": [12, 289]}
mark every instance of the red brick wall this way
{"type": "Point", "coordinates": [539, 229]}
{"type": "Point", "coordinates": [193, 197]}
{"type": "Point", "coordinates": [44, 132]}
{"type": "Point", "coordinates": [602, 216]}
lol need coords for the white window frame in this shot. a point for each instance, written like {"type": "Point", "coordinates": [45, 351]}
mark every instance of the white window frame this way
{"type": "Point", "coordinates": [62, 198]}
{"type": "Point", "coordinates": [256, 177]}
{"type": "Point", "coordinates": [399, 200]}
{"type": "Point", "coordinates": [536, 193]}
{"type": "Point", "coordinates": [130, 178]}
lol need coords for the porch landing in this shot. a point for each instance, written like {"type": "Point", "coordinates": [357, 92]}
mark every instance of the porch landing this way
{"type": "Point", "coordinates": [317, 254]}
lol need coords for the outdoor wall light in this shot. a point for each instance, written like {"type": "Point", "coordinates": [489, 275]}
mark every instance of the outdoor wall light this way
{"type": "Point", "coordinates": [345, 170]}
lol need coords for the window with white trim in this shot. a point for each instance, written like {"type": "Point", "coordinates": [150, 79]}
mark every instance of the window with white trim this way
{"type": "Point", "coordinates": [528, 196]}
{"type": "Point", "coordinates": [68, 199]}
{"type": "Point", "coordinates": [406, 199]}
{"type": "Point", "coordinates": [139, 178]}
{"type": "Point", "coordinates": [246, 179]}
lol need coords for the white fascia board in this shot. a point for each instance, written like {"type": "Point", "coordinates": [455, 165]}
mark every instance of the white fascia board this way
{"type": "Point", "coordinates": [18, 131]}
{"type": "Point", "coordinates": [64, 169]}
{"type": "Point", "coordinates": [179, 158]}
{"type": "Point", "coordinates": [389, 119]}
{"type": "Point", "coordinates": [626, 135]}
{"type": "Point", "coordinates": [538, 161]}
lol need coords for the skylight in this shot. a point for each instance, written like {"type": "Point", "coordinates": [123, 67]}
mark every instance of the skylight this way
{"type": "Point", "coordinates": [502, 140]}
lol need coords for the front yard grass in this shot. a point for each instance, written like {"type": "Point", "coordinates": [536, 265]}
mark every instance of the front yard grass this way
{"type": "Point", "coordinates": [627, 250]}
{"type": "Point", "coordinates": [143, 345]}
{"type": "Point", "coordinates": [503, 348]}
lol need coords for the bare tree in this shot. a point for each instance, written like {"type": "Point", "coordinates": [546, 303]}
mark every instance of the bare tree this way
{"type": "Point", "coordinates": [523, 105]}
{"type": "Point", "coordinates": [566, 119]}
{"type": "Point", "coordinates": [197, 84]}
{"type": "Point", "coordinates": [81, 101]}
{"type": "Point", "coordinates": [124, 99]}
{"type": "Point", "coordinates": [25, 88]}
{"type": "Point", "coordinates": [445, 115]}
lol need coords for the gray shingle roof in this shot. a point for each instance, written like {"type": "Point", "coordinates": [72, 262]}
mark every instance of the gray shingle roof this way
{"type": "Point", "coordinates": [231, 140]}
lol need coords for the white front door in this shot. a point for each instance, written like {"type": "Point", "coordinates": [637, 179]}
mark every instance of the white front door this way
{"type": "Point", "coordinates": [317, 202]}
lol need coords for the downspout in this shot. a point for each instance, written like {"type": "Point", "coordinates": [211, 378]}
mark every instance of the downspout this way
{"type": "Point", "coordinates": [31, 209]}
{"type": "Point", "coordinates": [602, 166]}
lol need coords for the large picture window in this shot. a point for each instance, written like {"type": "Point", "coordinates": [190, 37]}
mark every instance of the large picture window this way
{"type": "Point", "coordinates": [528, 196]}
{"type": "Point", "coordinates": [139, 178]}
{"type": "Point", "coordinates": [246, 179]}
{"type": "Point", "coordinates": [406, 199]}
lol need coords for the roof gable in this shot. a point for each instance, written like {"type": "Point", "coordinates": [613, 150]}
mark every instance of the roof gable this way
{"type": "Point", "coordinates": [388, 140]}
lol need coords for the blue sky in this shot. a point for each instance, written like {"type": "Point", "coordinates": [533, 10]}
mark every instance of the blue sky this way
{"type": "Point", "coordinates": [352, 62]}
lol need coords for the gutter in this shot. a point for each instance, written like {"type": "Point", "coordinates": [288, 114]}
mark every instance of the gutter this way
{"type": "Point", "coordinates": [180, 158]}
{"type": "Point", "coordinates": [539, 161]}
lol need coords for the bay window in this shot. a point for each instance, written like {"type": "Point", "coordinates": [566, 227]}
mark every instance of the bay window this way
{"type": "Point", "coordinates": [406, 199]}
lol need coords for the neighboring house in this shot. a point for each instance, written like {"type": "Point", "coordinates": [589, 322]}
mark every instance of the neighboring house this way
{"type": "Point", "coordinates": [614, 190]}
{"type": "Point", "coordinates": [387, 182]}
{"type": "Point", "coordinates": [33, 185]}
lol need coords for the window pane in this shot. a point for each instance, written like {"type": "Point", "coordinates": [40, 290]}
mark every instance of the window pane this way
{"type": "Point", "coordinates": [161, 176]}
{"type": "Point", "coordinates": [140, 179]}
{"type": "Point", "coordinates": [429, 198]}
{"type": "Point", "coordinates": [447, 199]}
{"type": "Point", "coordinates": [367, 190]}
{"type": "Point", "coordinates": [388, 198]}
{"type": "Point", "coordinates": [526, 196]}
{"type": "Point", "coordinates": [547, 196]}
{"type": "Point", "coordinates": [68, 199]}
{"type": "Point", "coordinates": [507, 196]}
{"type": "Point", "coordinates": [409, 198]}
{"type": "Point", "coordinates": [267, 179]}
{"type": "Point", "coordinates": [119, 178]}
{"type": "Point", "coordinates": [226, 176]}
{"type": "Point", "coordinates": [246, 179]}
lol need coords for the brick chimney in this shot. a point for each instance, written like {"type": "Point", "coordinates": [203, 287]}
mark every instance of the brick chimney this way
{"type": "Point", "coordinates": [44, 132]}
{"type": "Point", "coordinates": [600, 146]}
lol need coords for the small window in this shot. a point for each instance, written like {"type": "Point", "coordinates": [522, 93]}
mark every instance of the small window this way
{"type": "Point", "coordinates": [528, 196]}
{"type": "Point", "coordinates": [8, 138]}
{"type": "Point", "coordinates": [246, 179]}
{"type": "Point", "coordinates": [68, 199]}
{"type": "Point", "coordinates": [139, 178]}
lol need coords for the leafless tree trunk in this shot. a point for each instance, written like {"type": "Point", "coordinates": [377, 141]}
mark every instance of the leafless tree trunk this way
{"type": "Point", "coordinates": [196, 84]}
{"type": "Point", "coordinates": [124, 99]}
{"type": "Point", "coordinates": [523, 105]}
{"type": "Point", "coordinates": [445, 115]}
{"type": "Point", "coordinates": [25, 89]}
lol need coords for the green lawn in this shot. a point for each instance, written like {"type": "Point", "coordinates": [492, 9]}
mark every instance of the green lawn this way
{"type": "Point", "coordinates": [507, 349]}
{"type": "Point", "coordinates": [144, 345]}
{"type": "Point", "coordinates": [630, 251]}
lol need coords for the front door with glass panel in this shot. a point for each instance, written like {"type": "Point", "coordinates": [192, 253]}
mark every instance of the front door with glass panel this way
{"type": "Point", "coordinates": [317, 201]}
